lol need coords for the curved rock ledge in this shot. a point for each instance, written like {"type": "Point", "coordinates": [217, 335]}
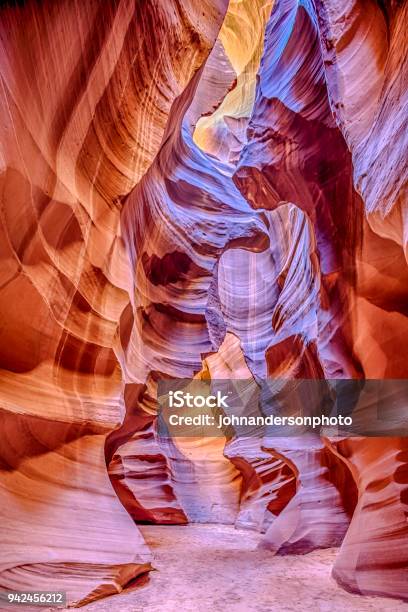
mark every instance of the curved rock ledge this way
{"type": "Point", "coordinates": [197, 190]}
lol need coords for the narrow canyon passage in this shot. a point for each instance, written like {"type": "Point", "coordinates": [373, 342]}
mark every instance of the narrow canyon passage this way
{"type": "Point", "coordinates": [214, 568]}
{"type": "Point", "coordinates": [205, 197]}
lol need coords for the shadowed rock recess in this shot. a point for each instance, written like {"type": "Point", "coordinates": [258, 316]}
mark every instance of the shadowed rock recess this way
{"type": "Point", "coordinates": [208, 190]}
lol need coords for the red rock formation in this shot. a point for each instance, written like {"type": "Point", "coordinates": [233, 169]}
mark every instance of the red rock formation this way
{"type": "Point", "coordinates": [86, 94]}
{"type": "Point", "coordinates": [315, 516]}
{"type": "Point", "coordinates": [291, 124]}
{"type": "Point", "coordinates": [370, 107]}
{"type": "Point", "coordinates": [140, 474]}
{"type": "Point", "coordinates": [196, 190]}
{"type": "Point", "coordinates": [373, 558]}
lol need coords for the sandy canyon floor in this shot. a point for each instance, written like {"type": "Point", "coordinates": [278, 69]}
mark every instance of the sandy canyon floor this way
{"type": "Point", "coordinates": [203, 568]}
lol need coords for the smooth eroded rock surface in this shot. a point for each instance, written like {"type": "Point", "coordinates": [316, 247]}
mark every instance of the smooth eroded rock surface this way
{"type": "Point", "coordinates": [203, 190]}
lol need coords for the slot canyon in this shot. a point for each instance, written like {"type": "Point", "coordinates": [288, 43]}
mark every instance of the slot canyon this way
{"type": "Point", "coordinates": [201, 190]}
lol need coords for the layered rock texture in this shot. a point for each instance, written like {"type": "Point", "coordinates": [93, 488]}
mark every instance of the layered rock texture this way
{"type": "Point", "coordinates": [198, 190]}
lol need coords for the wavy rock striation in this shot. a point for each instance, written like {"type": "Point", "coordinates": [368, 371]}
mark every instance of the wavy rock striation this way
{"type": "Point", "coordinates": [205, 190]}
{"type": "Point", "coordinates": [86, 94]}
